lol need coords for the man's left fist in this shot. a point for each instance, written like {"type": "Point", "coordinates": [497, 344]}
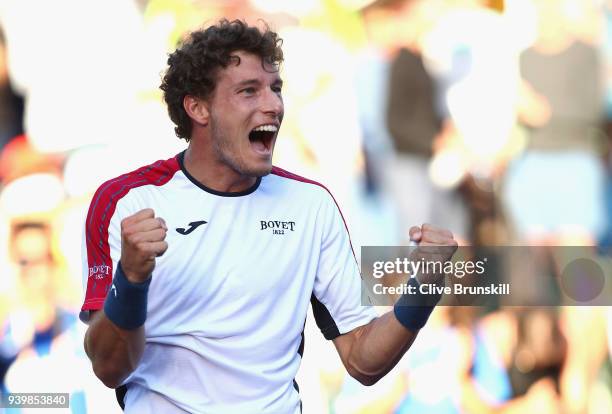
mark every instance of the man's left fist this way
{"type": "Point", "coordinates": [435, 245]}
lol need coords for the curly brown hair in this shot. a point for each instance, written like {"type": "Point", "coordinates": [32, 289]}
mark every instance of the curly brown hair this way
{"type": "Point", "coordinates": [193, 67]}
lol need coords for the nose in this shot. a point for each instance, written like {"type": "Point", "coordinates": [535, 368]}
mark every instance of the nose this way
{"type": "Point", "coordinates": [273, 104]}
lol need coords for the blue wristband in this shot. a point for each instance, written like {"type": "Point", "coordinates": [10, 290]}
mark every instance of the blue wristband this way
{"type": "Point", "coordinates": [126, 302]}
{"type": "Point", "coordinates": [413, 310]}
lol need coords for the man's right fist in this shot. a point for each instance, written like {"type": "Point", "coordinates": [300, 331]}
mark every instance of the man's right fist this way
{"type": "Point", "coordinates": [142, 240]}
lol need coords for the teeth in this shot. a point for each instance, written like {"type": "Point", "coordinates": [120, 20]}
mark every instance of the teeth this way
{"type": "Point", "coordinates": [268, 128]}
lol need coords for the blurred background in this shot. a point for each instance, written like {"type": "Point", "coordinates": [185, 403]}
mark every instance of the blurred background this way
{"type": "Point", "coordinates": [490, 118]}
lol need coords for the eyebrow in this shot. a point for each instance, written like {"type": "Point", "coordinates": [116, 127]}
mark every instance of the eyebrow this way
{"type": "Point", "coordinates": [248, 82]}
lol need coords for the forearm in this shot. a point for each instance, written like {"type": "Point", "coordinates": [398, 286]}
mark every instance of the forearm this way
{"type": "Point", "coordinates": [114, 352]}
{"type": "Point", "coordinates": [378, 347]}
{"type": "Point", "coordinates": [369, 352]}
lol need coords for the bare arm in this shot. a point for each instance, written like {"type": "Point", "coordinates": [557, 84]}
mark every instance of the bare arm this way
{"type": "Point", "coordinates": [370, 351]}
{"type": "Point", "coordinates": [113, 351]}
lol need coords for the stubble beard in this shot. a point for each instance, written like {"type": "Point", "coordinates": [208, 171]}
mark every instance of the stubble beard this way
{"type": "Point", "coordinates": [227, 152]}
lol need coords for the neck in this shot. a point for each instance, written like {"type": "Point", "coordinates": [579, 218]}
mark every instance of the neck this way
{"type": "Point", "coordinates": [203, 167]}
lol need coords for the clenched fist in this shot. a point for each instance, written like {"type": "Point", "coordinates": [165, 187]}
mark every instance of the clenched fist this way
{"type": "Point", "coordinates": [142, 240]}
{"type": "Point", "coordinates": [434, 245]}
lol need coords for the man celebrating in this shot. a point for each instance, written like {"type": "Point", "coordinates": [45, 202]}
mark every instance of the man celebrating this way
{"type": "Point", "coordinates": [201, 268]}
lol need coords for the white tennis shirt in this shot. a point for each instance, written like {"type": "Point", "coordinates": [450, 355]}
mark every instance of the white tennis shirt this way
{"type": "Point", "coordinates": [228, 300]}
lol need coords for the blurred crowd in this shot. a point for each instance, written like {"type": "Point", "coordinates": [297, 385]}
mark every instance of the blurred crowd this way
{"type": "Point", "coordinates": [490, 118]}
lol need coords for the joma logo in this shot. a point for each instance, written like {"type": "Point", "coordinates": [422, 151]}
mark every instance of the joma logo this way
{"type": "Point", "coordinates": [278, 227]}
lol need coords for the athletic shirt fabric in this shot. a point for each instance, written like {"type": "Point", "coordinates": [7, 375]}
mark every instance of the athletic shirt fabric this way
{"type": "Point", "coordinates": [228, 300]}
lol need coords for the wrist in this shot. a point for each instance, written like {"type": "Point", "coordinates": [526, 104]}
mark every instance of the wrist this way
{"type": "Point", "coordinates": [422, 278]}
{"type": "Point", "coordinates": [126, 302]}
{"type": "Point", "coordinates": [412, 310]}
{"type": "Point", "coordinates": [134, 277]}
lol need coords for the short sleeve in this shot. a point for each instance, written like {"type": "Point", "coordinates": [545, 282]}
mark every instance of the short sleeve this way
{"type": "Point", "coordinates": [101, 250]}
{"type": "Point", "coordinates": [336, 298]}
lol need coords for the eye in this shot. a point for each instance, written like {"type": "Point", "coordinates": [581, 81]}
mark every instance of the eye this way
{"type": "Point", "coordinates": [277, 89]}
{"type": "Point", "coordinates": [248, 91]}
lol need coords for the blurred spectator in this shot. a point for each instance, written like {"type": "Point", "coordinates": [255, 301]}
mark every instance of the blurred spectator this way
{"type": "Point", "coordinates": [34, 318]}
{"type": "Point", "coordinates": [38, 323]}
{"type": "Point", "coordinates": [415, 123]}
{"type": "Point", "coordinates": [561, 107]}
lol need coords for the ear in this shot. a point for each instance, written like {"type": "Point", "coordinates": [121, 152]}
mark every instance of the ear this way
{"type": "Point", "coordinates": [197, 109]}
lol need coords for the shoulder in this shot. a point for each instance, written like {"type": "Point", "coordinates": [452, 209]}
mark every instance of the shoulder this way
{"type": "Point", "coordinates": [306, 193]}
{"type": "Point", "coordinates": [157, 173]}
{"type": "Point", "coordinates": [298, 185]}
{"type": "Point", "coordinates": [112, 191]}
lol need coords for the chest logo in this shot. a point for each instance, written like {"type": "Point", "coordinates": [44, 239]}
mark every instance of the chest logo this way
{"type": "Point", "coordinates": [192, 226]}
{"type": "Point", "coordinates": [277, 226]}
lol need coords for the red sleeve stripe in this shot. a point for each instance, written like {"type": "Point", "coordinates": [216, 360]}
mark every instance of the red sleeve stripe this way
{"type": "Point", "coordinates": [286, 174]}
{"type": "Point", "coordinates": [101, 211]}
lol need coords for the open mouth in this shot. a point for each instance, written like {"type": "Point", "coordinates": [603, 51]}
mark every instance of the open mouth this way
{"type": "Point", "coordinates": [261, 138]}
